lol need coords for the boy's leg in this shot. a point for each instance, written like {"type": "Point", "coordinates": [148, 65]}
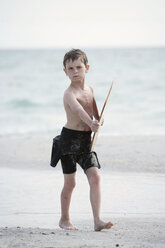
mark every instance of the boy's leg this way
{"type": "Point", "coordinates": [69, 184]}
{"type": "Point", "coordinates": [95, 198]}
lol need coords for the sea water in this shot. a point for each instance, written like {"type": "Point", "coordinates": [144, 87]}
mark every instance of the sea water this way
{"type": "Point", "coordinates": [32, 83]}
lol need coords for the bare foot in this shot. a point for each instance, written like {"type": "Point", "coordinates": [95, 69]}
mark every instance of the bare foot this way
{"type": "Point", "coordinates": [67, 225]}
{"type": "Point", "coordinates": [100, 225]}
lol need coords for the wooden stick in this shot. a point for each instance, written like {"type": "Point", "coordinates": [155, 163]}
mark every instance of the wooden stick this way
{"type": "Point", "coordinates": [100, 117]}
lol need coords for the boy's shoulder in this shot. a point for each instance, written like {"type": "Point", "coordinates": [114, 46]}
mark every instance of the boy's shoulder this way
{"type": "Point", "coordinates": [69, 90]}
{"type": "Point", "coordinates": [90, 87]}
{"type": "Point", "coordinates": [68, 93]}
{"type": "Point", "coordinates": [72, 90]}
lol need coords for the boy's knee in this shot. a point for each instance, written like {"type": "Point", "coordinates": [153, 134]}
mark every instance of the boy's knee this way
{"type": "Point", "coordinates": [70, 185]}
{"type": "Point", "coordinates": [94, 179]}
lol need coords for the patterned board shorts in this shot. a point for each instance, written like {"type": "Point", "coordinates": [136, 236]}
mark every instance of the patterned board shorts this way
{"type": "Point", "coordinates": [75, 148]}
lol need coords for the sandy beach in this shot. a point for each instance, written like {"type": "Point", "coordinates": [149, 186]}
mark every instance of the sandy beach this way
{"type": "Point", "coordinates": [133, 194]}
{"type": "Point", "coordinates": [132, 233]}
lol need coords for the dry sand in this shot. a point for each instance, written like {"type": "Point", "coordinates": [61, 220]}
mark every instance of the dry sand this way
{"type": "Point", "coordinates": [128, 233]}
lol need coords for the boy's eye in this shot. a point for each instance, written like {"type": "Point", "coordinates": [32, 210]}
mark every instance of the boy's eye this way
{"type": "Point", "coordinates": [70, 68]}
{"type": "Point", "coordinates": [78, 67]}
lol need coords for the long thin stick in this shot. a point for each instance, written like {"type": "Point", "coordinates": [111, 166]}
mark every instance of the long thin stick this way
{"type": "Point", "coordinates": [105, 103]}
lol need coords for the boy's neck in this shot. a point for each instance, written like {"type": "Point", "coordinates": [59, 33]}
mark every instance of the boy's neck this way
{"type": "Point", "coordinates": [78, 84]}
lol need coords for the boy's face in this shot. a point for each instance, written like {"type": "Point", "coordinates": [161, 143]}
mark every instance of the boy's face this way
{"type": "Point", "coordinates": [76, 70]}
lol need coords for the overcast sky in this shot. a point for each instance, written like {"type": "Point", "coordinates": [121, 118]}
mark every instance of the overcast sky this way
{"type": "Point", "coordinates": [73, 23]}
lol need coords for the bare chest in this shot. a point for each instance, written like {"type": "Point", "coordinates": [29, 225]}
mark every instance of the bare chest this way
{"type": "Point", "coordinates": [85, 98]}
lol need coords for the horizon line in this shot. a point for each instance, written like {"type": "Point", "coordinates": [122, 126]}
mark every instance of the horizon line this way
{"type": "Point", "coordinates": [84, 47]}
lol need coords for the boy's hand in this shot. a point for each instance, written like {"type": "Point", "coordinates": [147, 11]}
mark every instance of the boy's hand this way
{"type": "Point", "coordinates": [95, 126]}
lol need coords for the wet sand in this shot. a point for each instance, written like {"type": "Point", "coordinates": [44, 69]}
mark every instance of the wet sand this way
{"type": "Point", "coordinates": [133, 174]}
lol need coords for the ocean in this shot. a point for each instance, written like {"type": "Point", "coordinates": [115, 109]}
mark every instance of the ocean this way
{"type": "Point", "coordinates": [32, 83]}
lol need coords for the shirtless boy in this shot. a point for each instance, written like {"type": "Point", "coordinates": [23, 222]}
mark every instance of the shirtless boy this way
{"type": "Point", "coordinates": [80, 107]}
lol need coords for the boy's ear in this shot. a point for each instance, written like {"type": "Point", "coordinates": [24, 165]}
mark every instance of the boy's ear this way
{"type": "Point", "coordinates": [65, 71]}
{"type": "Point", "coordinates": [87, 68]}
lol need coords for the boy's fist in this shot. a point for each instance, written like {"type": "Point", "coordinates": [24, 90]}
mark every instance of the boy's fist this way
{"type": "Point", "coordinates": [95, 126]}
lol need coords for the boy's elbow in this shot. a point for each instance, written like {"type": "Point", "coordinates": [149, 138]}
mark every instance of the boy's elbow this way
{"type": "Point", "coordinates": [76, 110]}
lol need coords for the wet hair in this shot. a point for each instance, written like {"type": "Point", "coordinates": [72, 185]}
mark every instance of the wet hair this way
{"type": "Point", "coordinates": [75, 54]}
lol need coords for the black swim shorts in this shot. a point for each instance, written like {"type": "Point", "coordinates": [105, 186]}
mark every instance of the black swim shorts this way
{"type": "Point", "coordinates": [75, 148]}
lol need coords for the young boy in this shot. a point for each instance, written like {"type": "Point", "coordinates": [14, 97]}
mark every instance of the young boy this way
{"type": "Point", "coordinates": [80, 107]}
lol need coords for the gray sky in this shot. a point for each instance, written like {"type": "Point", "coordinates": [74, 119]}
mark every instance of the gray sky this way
{"type": "Point", "coordinates": [73, 23]}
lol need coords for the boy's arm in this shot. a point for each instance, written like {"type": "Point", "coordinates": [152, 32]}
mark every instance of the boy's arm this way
{"type": "Point", "coordinates": [95, 110]}
{"type": "Point", "coordinates": [78, 110]}
{"type": "Point", "coordinates": [96, 113]}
